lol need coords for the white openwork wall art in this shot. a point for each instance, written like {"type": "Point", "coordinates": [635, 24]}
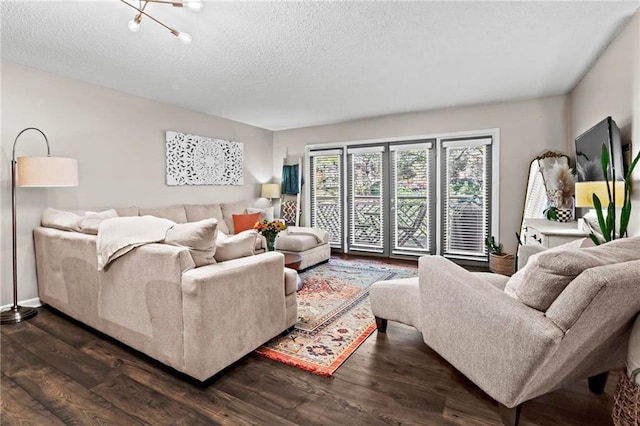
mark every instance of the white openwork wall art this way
{"type": "Point", "coordinates": [200, 160]}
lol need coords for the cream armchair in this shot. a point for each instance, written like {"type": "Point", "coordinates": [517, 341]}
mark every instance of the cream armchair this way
{"type": "Point", "coordinates": [567, 315]}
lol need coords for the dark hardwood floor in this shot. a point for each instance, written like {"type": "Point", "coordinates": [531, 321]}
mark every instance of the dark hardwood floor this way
{"type": "Point", "coordinates": [57, 371]}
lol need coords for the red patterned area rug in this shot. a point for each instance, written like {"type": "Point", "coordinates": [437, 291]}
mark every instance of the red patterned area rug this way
{"type": "Point", "coordinates": [334, 314]}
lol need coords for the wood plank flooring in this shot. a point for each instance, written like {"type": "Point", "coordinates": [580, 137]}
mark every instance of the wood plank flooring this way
{"type": "Point", "coordinates": [56, 371]}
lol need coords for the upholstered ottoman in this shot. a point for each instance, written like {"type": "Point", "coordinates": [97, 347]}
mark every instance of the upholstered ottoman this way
{"type": "Point", "coordinates": [396, 300]}
{"type": "Point", "coordinates": [312, 244]}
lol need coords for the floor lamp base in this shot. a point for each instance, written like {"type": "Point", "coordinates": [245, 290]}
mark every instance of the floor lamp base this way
{"type": "Point", "coordinates": [16, 314]}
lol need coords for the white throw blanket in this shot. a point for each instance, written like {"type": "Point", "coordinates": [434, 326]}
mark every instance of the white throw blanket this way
{"type": "Point", "coordinates": [120, 235]}
{"type": "Point", "coordinates": [319, 234]}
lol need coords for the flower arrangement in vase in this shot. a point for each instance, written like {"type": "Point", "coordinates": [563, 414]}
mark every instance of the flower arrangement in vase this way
{"type": "Point", "coordinates": [561, 187]}
{"type": "Point", "coordinates": [270, 230]}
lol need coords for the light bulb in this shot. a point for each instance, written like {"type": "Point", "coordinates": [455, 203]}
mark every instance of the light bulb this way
{"type": "Point", "coordinates": [134, 26]}
{"type": "Point", "coordinates": [192, 4]}
{"type": "Point", "coordinates": [185, 38]}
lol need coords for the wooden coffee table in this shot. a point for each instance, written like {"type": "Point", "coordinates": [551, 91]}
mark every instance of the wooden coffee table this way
{"type": "Point", "coordinates": [292, 260]}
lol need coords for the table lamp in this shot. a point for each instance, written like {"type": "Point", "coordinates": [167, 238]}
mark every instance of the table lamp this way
{"type": "Point", "coordinates": [270, 191]}
{"type": "Point", "coordinates": [33, 172]}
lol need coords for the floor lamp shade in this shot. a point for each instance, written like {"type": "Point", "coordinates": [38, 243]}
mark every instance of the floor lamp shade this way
{"type": "Point", "coordinates": [47, 171]}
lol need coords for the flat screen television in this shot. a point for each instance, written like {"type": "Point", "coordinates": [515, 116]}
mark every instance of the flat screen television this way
{"type": "Point", "coordinates": [589, 149]}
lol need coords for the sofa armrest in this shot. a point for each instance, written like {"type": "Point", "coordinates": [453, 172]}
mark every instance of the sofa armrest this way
{"type": "Point", "coordinates": [237, 305]}
{"type": "Point", "coordinates": [493, 339]}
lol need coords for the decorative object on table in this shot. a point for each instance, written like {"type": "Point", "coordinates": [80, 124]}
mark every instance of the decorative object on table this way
{"type": "Point", "coordinates": [499, 262]}
{"type": "Point", "coordinates": [33, 172]}
{"type": "Point", "coordinates": [560, 189]}
{"type": "Point", "coordinates": [134, 24]}
{"type": "Point", "coordinates": [334, 315]}
{"type": "Point", "coordinates": [551, 213]}
{"type": "Point", "coordinates": [270, 230]}
{"type": "Point", "coordinates": [270, 191]}
{"type": "Point", "coordinates": [589, 194]}
{"type": "Point", "coordinates": [201, 160]}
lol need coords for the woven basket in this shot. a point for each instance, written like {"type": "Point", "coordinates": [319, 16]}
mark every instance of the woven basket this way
{"type": "Point", "coordinates": [626, 401]}
{"type": "Point", "coordinates": [504, 264]}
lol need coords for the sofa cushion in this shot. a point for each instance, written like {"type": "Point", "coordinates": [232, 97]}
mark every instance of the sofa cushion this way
{"type": "Point", "coordinates": [60, 219]}
{"type": "Point", "coordinates": [92, 220]}
{"type": "Point", "coordinates": [266, 213]}
{"type": "Point", "coordinates": [547, 274]}
{"type": "Point", "coordinates": [297, 243]}
{"type": "Point", "coordinates": [175, 213]}
{"type": "Point", "coordinates": [199, 237]}
{"type": "Point", "coordinates": [230, 247]}
{"type": "Point", "coordinates": [229, 209]}
{"type": "Point", "coordinates": [244, 222]}
{"type": "Point", "coordinates": [128, 211]}
{"type": "Point", "coordinates": [196, 212]}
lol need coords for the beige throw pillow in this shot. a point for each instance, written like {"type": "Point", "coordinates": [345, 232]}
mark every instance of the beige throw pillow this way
{"type": "Point", "coordinates": [235, 246]}
{"type": "Point", "coordinates": [60, 219]}
{"type": "Point", "coordinates": [516, 279]}
{"type": "Point", "coordinates": [199, 237]}
{"type": "Point", "coordinates": [547, 274]}
{"type": "Point", "coordinates": [265, 213]}
{"type": "Point", "coordinates": [92, 220]}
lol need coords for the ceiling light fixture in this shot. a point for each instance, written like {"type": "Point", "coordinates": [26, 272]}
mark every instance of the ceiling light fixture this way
{"type": "Point", "coordinates": [134, 24]}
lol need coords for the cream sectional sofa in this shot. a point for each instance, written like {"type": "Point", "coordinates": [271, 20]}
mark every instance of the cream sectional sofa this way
{"type": "Point", "coordinates": [197, 320]}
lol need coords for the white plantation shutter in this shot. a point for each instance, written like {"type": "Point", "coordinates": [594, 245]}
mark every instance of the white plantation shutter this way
{"type": "Point", "coordinates": [326, 193]}
{"type": "Point", "coordinates": [466, 197]}
{"type": "Point", "coordinates": [412, 198]}
{"type": "Point", "coordinates": [366, 199]}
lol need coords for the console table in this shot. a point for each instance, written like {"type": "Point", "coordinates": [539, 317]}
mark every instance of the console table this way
{"type": "Point", "coordinates": [549, 234]}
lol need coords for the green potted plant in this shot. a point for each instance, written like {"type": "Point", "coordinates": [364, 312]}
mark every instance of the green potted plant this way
{"type": "Point", "coordinates": [608, 223]}
{"type": "Point", "coordinates": [499, 262]}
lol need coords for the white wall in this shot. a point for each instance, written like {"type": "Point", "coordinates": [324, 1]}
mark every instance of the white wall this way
{"type": "Point", "coordinates": [527, 128]}
{"type": "Point", "coordinates": [612, 88]}
{"type": "Point", "coordinates": [119, 143]}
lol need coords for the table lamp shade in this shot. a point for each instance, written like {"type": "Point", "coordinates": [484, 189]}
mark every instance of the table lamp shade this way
{"type": "Point", "coordinates": [585, 191]}
{"type": "Point", "coordinates": [270, 190]}
{"type": "Point", "coordinates": [47, 171]}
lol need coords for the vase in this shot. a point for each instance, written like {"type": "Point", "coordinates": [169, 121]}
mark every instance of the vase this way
{"type": "Point", "coordinates": [271, 241]}
{"type": "Point", "coordinates": [564, 214]}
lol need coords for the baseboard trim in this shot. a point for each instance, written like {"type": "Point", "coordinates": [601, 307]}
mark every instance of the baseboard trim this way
{"type": "Point", "coordinates": [31, 303]}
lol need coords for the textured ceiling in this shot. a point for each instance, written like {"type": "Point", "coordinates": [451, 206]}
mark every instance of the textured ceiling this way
{"type": "Point", "coordinates": [280, 65]}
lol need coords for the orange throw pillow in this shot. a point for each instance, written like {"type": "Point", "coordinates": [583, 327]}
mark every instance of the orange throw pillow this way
{"type": "Point", "coordinates": [242, 222]}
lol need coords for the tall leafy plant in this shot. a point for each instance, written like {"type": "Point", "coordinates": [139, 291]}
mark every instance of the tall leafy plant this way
{"type": "Point", "coordinates": [608, 224]}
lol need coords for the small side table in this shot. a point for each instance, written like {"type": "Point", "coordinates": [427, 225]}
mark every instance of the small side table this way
{"type": "Point", "coordinates": [292, 260]}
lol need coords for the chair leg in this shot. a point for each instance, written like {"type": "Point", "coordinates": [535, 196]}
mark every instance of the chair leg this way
{"type": "Point", "coordinates": [598, 382]}
{"type": "Point", "coordinates": [381, 323]}
{"type": "Point", "coordinates": [509, 416]}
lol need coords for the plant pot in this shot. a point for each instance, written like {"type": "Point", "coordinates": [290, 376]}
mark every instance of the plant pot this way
{"type": "Point", "coordinates": [626, 401]}
{"type": "Point", "coordinates": [564, 214]}
{"type": "Point", "coordinates": [502, 264]}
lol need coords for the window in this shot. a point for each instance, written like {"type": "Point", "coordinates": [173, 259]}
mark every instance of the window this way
{"type": "Point", "coordinates": [466, 197]}
{"type": "Point", "coordinates": [366, 199]}
{"type": "Point", "coordinates": [408, 197]}
{"type": "Point", "coordinates": [412, 212]}
{"type": "Point", "coordinates": [326, 193]}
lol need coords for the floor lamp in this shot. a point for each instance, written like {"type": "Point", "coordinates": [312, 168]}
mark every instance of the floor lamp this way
{"type": "Point", "coordinates": [33, 172]}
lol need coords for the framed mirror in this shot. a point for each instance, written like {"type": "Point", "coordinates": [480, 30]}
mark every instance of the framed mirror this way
{"type": "Point", "coordinates": [536, 197]}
